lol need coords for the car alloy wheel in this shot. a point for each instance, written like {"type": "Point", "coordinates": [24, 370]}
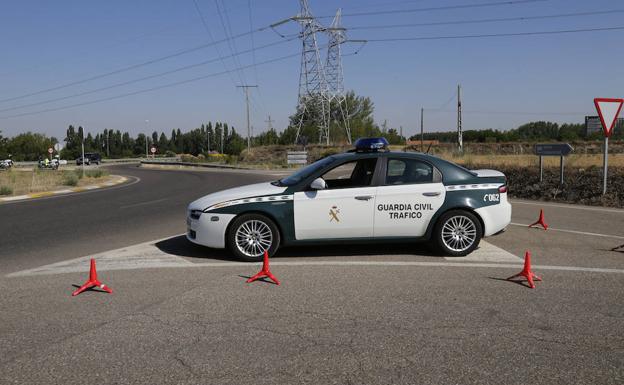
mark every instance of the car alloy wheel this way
{"type": "Point", "coordinates": [459, 233]}
{"type": "Point", "coordinates": [253, 237]}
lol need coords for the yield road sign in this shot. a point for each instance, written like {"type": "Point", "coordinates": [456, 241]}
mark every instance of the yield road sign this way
{"type": "Point", "coordinates": [608, 110]}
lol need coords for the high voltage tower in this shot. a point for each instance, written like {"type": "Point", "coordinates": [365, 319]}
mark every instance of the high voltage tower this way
{"type": "Point", "coordinates": [320, 84]}
{"type": "Point", "coordinates": [334, 74]}
{"type": "Point", "coordinates": [312, 83]}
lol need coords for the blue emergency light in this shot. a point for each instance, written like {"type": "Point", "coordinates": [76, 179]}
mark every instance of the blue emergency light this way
{"type": "Point", "coordinates": [371, 144]}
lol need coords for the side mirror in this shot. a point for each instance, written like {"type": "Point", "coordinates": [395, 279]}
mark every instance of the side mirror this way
{"type": "Point", "coordinates": [318, 184]}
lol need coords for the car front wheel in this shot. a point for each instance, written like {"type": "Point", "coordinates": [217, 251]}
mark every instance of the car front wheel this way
{"type": "Point", "coordinates": [458, 233]}
{"type": "Point", "coordinates": [250, 235]}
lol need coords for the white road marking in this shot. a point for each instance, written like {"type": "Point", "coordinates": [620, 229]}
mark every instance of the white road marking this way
{"type": "Point", "coordinates": [147, 255]}
{"type": "Point", "coordinates": [62, 191]}
{"type": "Point", "coordinates": [487, 252]}
{"type": "Point", "coordinates": [143, 203]}
{"type": "Point", "coordinates": [570, 206]}
{"type": "Point", "coordinates": [573, 231]}
{"type": "Point", "coordinates": [141, 256]}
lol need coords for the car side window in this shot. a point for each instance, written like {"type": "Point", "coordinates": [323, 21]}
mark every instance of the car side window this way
{"type": "Point", "coordinates": [352, 174]}
{"type": "Point", "coordinates": [408, 171]}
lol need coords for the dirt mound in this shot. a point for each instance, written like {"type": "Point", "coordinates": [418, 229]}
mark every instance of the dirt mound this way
{"type": "Point", "coordinates": [581, 185]}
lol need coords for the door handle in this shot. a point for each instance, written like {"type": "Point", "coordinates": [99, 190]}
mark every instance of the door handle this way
{"type": "Point", "coordinates": [432, 194]}
{"type": "Point", "coordinates": [364, 197]}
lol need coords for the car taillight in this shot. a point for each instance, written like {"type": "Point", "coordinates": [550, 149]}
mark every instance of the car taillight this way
{"type": "Point", "coordinates": [502, 189]}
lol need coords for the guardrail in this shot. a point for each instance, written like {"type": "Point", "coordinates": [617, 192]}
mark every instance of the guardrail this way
{"type": "Point", "coordinates": [104, 161]}
{"type": "Point", "coordinates": [192, 164]}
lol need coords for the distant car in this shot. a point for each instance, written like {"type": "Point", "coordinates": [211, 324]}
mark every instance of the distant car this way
{"type": "Point", "coordinates": [93, 157]}
{"type": "Point", "coordinates": [90, 158]}
{"type": "Point", "coordinates": [79, 161]}
{"type": "Point", "coordinates": [365, 195]}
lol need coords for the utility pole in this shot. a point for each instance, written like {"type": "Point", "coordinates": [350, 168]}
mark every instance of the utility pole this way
{"type": "Point", "coordinates": [422, 129]}
{"type": "Point", "coordinates": [108, 143]}
{"type": "Point", "coordinates": [208, 139]}
{"type": "Point", "coordinates": [460, 139]}
{"type": "Point", "coordinates": [247, 87]}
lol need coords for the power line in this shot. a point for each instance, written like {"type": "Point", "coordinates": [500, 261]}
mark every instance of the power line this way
{"type": "Point", "coordinates": [134, 66]}
{"type": "Point", "coordinates": [143, 78]}
{"type": "Point", "coordinates": [241, 75]}
{"type": "Point", "coordinates": [495, 35]}
{"type": "Point", "coordinates": [146, 89]}
{"type": "Point", "coordinates": [479, 21]}
{"type": "Point", "coordinates": [203, 20]}
{"type": "Point", "coordinates": [430, 9]}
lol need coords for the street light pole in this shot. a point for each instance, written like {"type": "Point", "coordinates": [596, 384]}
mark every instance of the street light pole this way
{"type": "Point", "coordinates": [146, 137]}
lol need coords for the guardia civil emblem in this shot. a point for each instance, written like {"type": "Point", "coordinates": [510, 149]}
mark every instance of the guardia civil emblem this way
{"type": "Point", "coordinates": [333, 214]}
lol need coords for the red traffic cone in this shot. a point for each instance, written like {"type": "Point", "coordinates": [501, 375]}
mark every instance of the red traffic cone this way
{"type": "Point", "coordinates": [92, 282]}
{"type": "Point", "coordinates": [265, 272]}
{"type": "Point", "coordinates": [541, 221]}
{"type": "Point", "coordinates": [526, 271]}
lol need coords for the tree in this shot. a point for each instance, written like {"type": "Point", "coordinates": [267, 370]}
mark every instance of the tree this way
{"type": "Point", "coordinates": [359, 110]}
{"type": "Point", "coordinates": [29, 146]}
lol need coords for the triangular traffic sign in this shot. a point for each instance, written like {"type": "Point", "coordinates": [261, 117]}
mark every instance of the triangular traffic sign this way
{"type": "Point", "coordinates": [608, 110]}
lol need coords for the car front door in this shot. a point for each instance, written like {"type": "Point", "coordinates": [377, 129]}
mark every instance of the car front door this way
{"type": "Point", "coordinates": [411, 195]}
{"type": "Point", "coordinates": [345, 209]}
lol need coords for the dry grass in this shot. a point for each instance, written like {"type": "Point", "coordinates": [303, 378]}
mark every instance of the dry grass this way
{"type": "Point", "coordinates": [32, 181]}
{"type": "Point", "coordinates": [579, 161]}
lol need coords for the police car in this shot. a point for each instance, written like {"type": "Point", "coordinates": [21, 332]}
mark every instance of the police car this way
{"type": "Point", "coordinates": [365, 195]}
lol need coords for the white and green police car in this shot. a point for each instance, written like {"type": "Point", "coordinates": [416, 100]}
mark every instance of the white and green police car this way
{"type": "Point", "coordinates": [365, 195]}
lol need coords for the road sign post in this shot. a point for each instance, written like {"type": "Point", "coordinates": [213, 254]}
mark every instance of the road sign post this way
{"type": "Point", "coordinates": [153, 151]}
{"type": "Point", "coordinates": [552, 149]}
{"type": "Point", "coordinates": [608, 110]}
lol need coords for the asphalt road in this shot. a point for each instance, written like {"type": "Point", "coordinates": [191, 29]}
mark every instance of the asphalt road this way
{"type": "Point", "coordinates": [330, 321]}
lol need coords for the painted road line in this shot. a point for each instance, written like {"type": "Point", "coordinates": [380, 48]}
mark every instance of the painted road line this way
{"type": "Point", "coordinates": [573, 231]}
{"type": "Point", "coordinates": [62, 191]}
{"type": "Point", "coordinates": [569, 206]}
{"type": "Point", "coordinates": [147, 256]}
{"type": "Point", "coordinates": [141, 256]}
{"type": "Point", "coordinates": [487, 252]}
{"type": "Point", "coordinates": [144, 203]}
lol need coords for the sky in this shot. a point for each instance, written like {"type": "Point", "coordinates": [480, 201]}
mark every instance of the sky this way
{"type": "Point", "coordinates": [61, 53]}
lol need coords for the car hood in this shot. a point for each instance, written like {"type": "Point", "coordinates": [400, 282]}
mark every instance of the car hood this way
{"type": "Point", "coordinates": [249, 191]}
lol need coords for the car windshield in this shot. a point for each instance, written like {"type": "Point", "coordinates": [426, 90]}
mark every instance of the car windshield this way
{"type": "Point", "coordinates": [304, 172]}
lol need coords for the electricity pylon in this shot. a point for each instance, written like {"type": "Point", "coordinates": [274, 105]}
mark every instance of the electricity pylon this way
{"type": "Point", "coordinates": [312, 83]}
{"type": "Point", "coordinates": [334, 74]}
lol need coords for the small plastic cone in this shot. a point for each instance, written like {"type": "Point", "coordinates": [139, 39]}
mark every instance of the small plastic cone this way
{"type": "Point", "coordinates": [92, 282]}
{"type": "Point", "coordinates": [265, 272]}
{"type": "Point", "coordinates": [526, 271]}
{"type": "Point", "coordinates": [541, 221]}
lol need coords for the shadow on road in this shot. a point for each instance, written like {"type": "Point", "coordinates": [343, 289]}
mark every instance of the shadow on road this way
{"type": "Point", "coordinates": [181, 247]}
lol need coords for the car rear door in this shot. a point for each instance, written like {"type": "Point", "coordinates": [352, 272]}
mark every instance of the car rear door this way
{"type": "Point", "coordinates": [344, 210]}
{"type": "Point", "coordinates": [411, 194]}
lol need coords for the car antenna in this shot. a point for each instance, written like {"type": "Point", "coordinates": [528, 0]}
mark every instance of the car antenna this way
{"type": "Point", "coordinates": [428, 148]}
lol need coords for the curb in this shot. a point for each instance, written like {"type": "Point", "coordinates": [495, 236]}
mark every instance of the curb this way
{"type": "Point", "coordinates": [116, 181]}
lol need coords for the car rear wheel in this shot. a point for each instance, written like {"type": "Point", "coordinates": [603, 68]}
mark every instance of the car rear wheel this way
{"type": "Point", "coordinates": [250, 235]}
{"type": "Point", "coordinates": [458, 233]}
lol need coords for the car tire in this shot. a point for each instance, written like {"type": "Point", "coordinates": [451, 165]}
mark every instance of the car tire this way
{"type": "Point", "coordinates": [457, 233]}
{"type": "Point", "coordinates": [249, 228]}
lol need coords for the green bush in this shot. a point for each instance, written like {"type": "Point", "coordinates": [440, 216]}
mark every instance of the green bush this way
{"type": "Point", "coordinates": [70, 180]}
{"type": "Point", "coordinates": [6, 190]}
{"type": "Point", "coordinates": [95, 173]}
{"type": "Point", "coordinates": [170, 154]}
